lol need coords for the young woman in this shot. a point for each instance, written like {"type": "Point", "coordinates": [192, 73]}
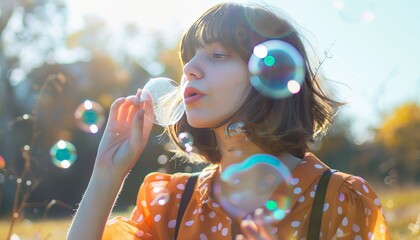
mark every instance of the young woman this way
{"type": "Point", "coordinates": [230, 122]}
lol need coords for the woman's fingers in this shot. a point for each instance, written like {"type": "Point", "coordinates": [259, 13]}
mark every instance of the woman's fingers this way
{"type": "Point", "coordinates": [124, 110]}
{"type": "Point", "coordinates": [250, 230]}
{"type": "Point", "coordinates": [256, 230]}
{"type": "Point", "coordinates": [115, 108]}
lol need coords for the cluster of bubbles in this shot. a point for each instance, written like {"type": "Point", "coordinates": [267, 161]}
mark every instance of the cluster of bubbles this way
{"type": "Point", "coordinates": [355, 11]}
{"type": "Point", "coordinates": [277, 70]}
{"type": "Point", "coordinates": [89, 117]}
{"type": "Point", "coordinates": [63, 154]}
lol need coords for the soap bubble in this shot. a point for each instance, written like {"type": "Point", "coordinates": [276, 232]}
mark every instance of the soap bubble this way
{"type": "Point", "coordinates": [186, 140]}
{"type": "Point", "coordinates": [63, 154]}
{"type": "Point", "coordinates": [89, 116]}
{"type": "Point", "coordinates": [165, 95]}
{"type": "Point", "coordinates": [277, 70]}
{"type": "Point", "coordinates": [261, 182]}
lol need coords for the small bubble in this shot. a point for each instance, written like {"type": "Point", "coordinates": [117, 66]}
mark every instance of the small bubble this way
{"type": "Point", "coordinates": [89, 116]}
{"type": "Point", "coordinates": [63, 154]}
{"type": "Point", "coordinates": [186, 140]}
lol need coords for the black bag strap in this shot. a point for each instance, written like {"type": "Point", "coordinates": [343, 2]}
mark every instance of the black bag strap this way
{"type": "Point", "coordinates": [185, 199]}
{"type": "Point", "coordinates": [318, 205]}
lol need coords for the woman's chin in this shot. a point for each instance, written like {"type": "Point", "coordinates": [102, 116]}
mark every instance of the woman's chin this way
{"type": "Point", "coordinates": [200, 123]}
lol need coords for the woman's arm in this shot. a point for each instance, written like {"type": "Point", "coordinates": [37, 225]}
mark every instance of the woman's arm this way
{"type": "Point", "coordinates": [95, 207]}
{"type": "Point", "coordinates": [124, 139]}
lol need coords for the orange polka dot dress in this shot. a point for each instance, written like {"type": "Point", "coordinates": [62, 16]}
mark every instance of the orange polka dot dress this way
{"type": "Point", "coordinates": [351, 209]}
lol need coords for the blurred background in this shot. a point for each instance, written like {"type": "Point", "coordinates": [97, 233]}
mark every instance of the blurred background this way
{"type": "Point", "coordinates": [62, 63]}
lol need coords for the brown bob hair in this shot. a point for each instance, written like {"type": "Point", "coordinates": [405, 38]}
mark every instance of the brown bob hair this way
{"type": "Point", "coordinates": [277, 126]}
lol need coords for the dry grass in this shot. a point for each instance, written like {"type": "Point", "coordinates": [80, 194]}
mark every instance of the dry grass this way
{"type": "Point", "coordinates": [36, 230]}
{"type": "Point", "coordinates": [401, 208]}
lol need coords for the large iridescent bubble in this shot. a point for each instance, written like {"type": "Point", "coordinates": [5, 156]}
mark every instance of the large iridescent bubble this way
{"type": "Point", "coordinates": [63, 154]}
{"type": "Point", "coordinates": [276, 68]}
{"type": "Point", "coordinates": [249, 186]}
{"type": "Point", "coordinates": [166, 98]}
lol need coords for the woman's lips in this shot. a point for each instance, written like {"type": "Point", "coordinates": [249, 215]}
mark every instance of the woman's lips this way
{"type": "Point", "coordinates": [192, 95]}
{"type": "Point", "coordinates": [193, 98]}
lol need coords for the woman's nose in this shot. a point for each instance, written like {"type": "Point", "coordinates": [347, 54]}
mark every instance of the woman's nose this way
{"type": "Point", "coordinates": [192, 70]}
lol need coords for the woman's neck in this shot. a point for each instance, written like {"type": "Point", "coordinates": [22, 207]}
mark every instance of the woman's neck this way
{"type": "Point", "coordinates": [235, 149]}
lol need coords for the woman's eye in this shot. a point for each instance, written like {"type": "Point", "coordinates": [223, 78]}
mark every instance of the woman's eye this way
{"type": "Point", "coordinates": [219, 55]}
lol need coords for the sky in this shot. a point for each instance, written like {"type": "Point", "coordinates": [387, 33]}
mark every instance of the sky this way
{"type": "Point", "coordinates": [373, 52]}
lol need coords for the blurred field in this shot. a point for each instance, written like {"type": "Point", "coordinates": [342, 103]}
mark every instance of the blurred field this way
{"type": "Point", "coordinates": [401, 207]}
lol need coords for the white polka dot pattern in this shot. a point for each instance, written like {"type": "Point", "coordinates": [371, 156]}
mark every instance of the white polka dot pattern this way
{"type": "Point", "coordinates": [351, 209]}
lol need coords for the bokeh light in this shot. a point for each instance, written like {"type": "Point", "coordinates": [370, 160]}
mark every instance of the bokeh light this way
{"type": "Point", "coordinates": [276, 69]}
{"type": "Point", "coordinates": [2, 163]}
{"type": "Point", "coordinates": [355, 11]}
{"type": "Point", "coordinates": [168, 106]}
{"type": "Point", "coordinates": [251, 184]}
{"type": "Point", "coordinates": [162, 159]}
{"type": "Point", "coordinates": [89, 116]}
{"type": "Point", "coordinates": [63, 154]}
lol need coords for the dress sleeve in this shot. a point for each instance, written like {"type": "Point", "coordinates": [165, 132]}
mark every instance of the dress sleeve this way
{"type": "Point", "coordinates": [355, 212]}
{"type": "Point", "coordinates": [139, 225]}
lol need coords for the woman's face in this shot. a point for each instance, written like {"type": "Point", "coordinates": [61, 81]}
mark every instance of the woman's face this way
{"type": "Point", "coordinates": [217, 85]}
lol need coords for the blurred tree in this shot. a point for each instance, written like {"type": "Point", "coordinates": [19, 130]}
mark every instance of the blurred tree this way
{"type": "Point", "coordinates": [96, 64]}
{"type": "Point", "coordinates": [340, 150]}
{"type": "Point", "coordinates": [171, 60]}
{"type": "Point", "coordinates": [336, 149]}
{"type": "Point", "coordinates": [400, 134]}
{"type": "Point", "coordinates": [30, 33]}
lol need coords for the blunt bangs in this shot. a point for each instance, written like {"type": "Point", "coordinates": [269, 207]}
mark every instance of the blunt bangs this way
{"type": "Point", "coordinates": [225, 24]}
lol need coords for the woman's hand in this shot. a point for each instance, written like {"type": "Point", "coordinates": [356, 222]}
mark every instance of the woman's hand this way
{"type": "Point", "coordinates": [126, 135]}
{"type": "Point", "coordinates": [256, 229]}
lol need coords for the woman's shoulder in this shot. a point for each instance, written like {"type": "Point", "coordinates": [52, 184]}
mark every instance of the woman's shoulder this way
{"type": "Point", "coordinates": [345, 184]}
{"type": "Point", "coordinates": [166, 183]}
{"type": "Point", "coordinates": [160, 178]}
{"type": "Point", "coordinates": [158, 185]}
